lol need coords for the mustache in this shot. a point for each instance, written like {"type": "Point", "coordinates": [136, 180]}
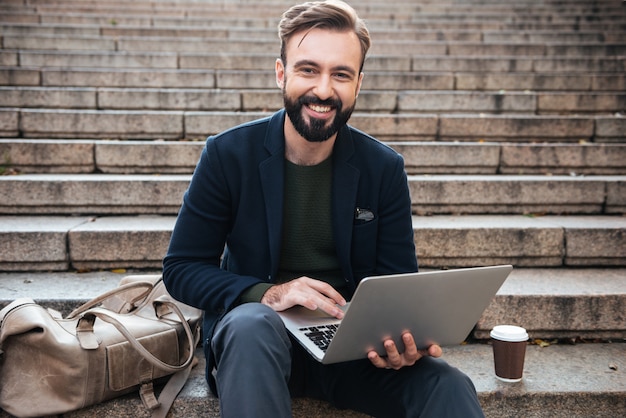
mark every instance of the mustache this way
{"type": "Point", "coordinates": [312, 100]}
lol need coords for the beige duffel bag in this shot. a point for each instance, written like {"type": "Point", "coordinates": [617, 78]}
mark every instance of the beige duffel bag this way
{"type": "Point", "coordinates": [119, 342]}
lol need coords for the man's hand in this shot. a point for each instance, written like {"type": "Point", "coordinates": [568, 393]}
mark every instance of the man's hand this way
{"type": "Point", "coordinates": [395, 360]}
{"type": "Point", "coordinates": [310, 293]}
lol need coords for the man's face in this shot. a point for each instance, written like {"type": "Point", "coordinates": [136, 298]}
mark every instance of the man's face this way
{"type": "Point", "coordinates": [320, 82]}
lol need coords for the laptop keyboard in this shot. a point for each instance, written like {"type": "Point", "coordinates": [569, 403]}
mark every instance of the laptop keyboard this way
{"type": "Point", "coordinates": [321, 335]}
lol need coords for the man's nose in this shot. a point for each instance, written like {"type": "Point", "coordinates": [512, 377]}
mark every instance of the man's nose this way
{"type": "Point", "coordinates": [323, 88]}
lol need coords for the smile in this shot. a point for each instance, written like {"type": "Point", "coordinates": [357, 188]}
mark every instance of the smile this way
{"type": "Point", "coordinates": [320, 109]}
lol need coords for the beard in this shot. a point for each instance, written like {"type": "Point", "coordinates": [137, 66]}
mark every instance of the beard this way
{"type": "Point", "coordinates": [316, 130]}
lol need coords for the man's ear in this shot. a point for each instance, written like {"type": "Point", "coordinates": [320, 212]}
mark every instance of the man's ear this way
{"type": "Point", "coordinates": [280, 73]}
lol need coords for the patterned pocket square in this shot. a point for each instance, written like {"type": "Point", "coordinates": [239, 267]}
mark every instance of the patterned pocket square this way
{"type": "Point", "coordinates": [363, 215]}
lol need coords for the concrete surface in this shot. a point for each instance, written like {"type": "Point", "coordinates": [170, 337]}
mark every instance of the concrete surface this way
{"type": "Point", "coordinates": [560, 381]}
{"type": "Point", "coordinates": [559, 303]}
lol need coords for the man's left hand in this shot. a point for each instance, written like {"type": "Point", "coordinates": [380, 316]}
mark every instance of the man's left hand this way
{"type": "Point", "coordinates": [411, 354]}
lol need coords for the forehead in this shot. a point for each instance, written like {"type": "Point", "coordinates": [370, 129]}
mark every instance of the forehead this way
{"type": "Point", "coordinates": [324, 47]}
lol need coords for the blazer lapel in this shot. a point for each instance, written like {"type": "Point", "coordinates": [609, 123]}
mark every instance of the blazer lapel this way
{"type": "Point", "coordinates": [271, 171]}
{"type": "Point", "coordinates": [345, 187]}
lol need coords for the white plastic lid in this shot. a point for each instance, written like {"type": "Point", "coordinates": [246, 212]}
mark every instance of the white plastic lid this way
{"type": "Point", "coordinates": [509, 333]}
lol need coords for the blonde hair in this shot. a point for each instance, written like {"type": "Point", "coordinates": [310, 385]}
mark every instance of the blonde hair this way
{"type": "Point", "coordinates": [330, 14]}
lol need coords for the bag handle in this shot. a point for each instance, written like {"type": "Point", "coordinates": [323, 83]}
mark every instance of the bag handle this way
{"type": "Point", "coordinates": [15, 304]}
{"type": "Point", "coordinates": [113, 292]}
{"type": "Point", "coordinates": [88, 340]}
{"type": "Point", "coordinates": [170, 391]}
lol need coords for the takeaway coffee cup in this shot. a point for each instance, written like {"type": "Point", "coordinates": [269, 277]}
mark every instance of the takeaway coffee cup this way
{"type": "Point", "coordinates": [509, 349]}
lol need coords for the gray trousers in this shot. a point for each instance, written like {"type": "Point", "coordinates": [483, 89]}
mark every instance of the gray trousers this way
{"type": "Point", "coordinates": [259, 369]}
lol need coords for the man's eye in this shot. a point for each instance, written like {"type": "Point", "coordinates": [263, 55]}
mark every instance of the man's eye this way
{"type": "Point", "coordinates": [343, 76]}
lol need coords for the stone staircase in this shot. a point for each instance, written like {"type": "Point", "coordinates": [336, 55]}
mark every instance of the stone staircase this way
{"type": "Point", "coordinates": [510, 114]}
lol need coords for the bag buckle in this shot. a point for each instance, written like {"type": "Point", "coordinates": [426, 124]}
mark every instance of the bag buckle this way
{"type": "Point", "coordinates": [84, 333]}
{"type": "Point", "coordinates": [146, 391]}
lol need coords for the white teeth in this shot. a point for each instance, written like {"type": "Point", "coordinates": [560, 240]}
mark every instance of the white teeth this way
{"type": "Point", "coordinates": [320, 109]}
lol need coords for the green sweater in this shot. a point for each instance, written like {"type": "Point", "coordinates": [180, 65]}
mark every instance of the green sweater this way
{"type": "Point", "coordinates": [308, 248]}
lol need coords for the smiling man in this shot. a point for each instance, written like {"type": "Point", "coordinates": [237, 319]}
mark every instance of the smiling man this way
{"type": "Point", "coordinates": [273, 218]}
{"type": "Point", "coordinates": [320, 85]}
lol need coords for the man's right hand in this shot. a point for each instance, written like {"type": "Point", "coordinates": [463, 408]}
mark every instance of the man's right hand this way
{"type": "Point", "coordinates": [310, 293]}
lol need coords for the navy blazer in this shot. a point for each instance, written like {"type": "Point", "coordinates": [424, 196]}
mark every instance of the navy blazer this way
{"type": "Point", "coordinates": [234, 208]}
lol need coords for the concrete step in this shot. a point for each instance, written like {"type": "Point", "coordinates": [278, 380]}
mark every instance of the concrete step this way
{"type": "Point", "coordinates": [547, 34]}
{"type": "Point", "coordinates": [103, 194]}
{"type": "Point", "coordinates": [268, 16]}
{"type": "Point", "coordinates": [583, 380]}
{"type": "Point", "coordinates": [266, 79]}
{"type": "Point", "coordinates": [58, 243]}
{"type": "Point", "coordinates": [399, 21]}
{"type": "Point", "coordinates": [238, 27]}
{"type": "Point", "coordinates": [508, 158]}
{"type": "Point", "coordinates": [451, 34]}
{"type": "Point", "coordinates": [520, 240]}
{"type": "Point", "coordinates": [472, 63]}
{"type": "Point", "coordinates": [552, 36]}
{"type": "Point", "coordinates": [551, 303]}
{"type": "Point", "coordinates": [192, 125]}
{"type": "Point", "coordinates": [176, 157]}
{"type": "Point", "coordinates": [561, 303]}
{"type": "Point", "coordinates": [515, 47]}
{"type": "Point", "coordinates": [260, 16]}
{"type": "Point", "coordinates": [417, 62]}
{"type": "Point", "coordinates": [523, 6]}
{"type": "Point", "coordinates": [580, 379]}
{"type": "Point", "coordinates": [507, 101]}
{"type": "Point", "coordinates": [252, 78]}
{"type": "Point", "coordinates": [368, 7]}
{"type": "Point", "coordinates": [539, 81]}
{"type": "Point", "coordinates": [506, 194]}
{"type": "Point", "coordinates": [585, 301]}
{"type": "Point", "coordinates": [388, 101]}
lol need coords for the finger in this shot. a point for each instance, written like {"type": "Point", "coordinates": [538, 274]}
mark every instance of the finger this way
{"type": "Point", "coordinates": [409, 343]}
{"type": "Point", "coordinates": [321, 295]}
{"type": "Point", "coordinates": [432, 351]}
{"type": "Point", "coordinates": [435, 351]}
{"type": "Point", "coordinates": [411, 353]}
{"type": "Point", "coordinates": [377, 360]}
{"type": "Point", "coordinates": [327, 290]}
{"type": "Point", "coordinates": [331, 309]}
{"type": "Point", "coordinates": [394, 358]}
{"type": "Point", "coordinates": [314, 300]}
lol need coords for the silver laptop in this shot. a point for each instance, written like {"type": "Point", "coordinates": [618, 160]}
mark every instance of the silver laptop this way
{"type": "Point", "coordinates": [438, 307]}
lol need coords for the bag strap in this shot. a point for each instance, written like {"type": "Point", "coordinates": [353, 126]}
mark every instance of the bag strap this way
{"type": "Point", "coordinates": [15, 304]}
{"type": "Point", "coordinates": [159, 407]}
{"type": "Point", "coordinates": [5, 311]}
{"type": "Point", "coordinates": [107, 295]}
{"type": "Point", "coordinates": [171, 390]}
{"type": "Point", "coordinates": [88, 340]}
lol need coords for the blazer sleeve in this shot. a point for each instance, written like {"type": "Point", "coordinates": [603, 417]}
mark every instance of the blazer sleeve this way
{"type": "Point", "coordinates": [396, 238]}
{"type": "Point", "coordinates": [191, 268]}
